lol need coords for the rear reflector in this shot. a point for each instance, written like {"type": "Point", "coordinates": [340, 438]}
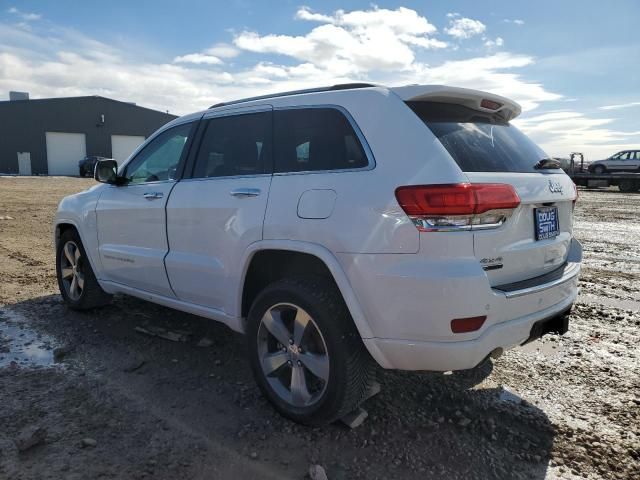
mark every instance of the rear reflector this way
{"type": "Point", "coordinates": [458, 206]}
{"type": "Point", "coordinates": [465, 325]}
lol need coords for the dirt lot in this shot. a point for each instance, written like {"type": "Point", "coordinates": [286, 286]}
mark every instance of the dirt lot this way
{"type": "Point", "coordinates": [119, 404]}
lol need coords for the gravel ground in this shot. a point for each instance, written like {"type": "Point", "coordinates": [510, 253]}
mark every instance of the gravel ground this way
{"type": "Point", "coordinates": [100, 400]}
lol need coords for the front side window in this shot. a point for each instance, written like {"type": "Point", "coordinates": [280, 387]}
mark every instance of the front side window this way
{"type": "Point", "coordinates": [235, 145]}
{"type": "Point", "coordinates": [311, 139]}
{"type": "Point", "coordinates": [159, 159]}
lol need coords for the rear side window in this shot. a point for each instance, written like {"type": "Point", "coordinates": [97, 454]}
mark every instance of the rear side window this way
{"type": "Point", "coordinates": [311, 139]}
{"type": "Point", "coordinates": [479, 142]}
{"type": "Point", "coordinates": [235, 145]}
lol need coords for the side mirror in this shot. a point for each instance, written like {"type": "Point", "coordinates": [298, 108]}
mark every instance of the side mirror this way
{"type": "Point", "coordinates": [106, 171]}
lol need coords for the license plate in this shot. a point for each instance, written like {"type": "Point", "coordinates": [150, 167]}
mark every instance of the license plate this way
{"type": "Point", "coordinates": [547, 225]}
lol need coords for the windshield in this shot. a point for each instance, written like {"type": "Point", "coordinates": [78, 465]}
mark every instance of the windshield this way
{"type": "Point", "coordinates": [479, 142]}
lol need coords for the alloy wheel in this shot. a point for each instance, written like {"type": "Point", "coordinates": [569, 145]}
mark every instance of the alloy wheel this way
{"type": "Point", "coordinates": [293, 355]}
{"type": "Point", "coordinates": [72, 270]}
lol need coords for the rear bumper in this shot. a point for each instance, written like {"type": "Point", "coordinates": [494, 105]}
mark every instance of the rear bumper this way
{"type": "Point", "coordinates": [409, 303]}
{"type": "Point", "coordinates": [445, 356]}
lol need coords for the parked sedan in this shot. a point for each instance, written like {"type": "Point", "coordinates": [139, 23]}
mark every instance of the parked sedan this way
{"type": "Point", "coordinates": [625, 161]}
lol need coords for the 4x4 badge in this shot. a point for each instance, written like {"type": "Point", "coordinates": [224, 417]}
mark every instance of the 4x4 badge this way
{"type": "Point", "coordinates": [555, 187]}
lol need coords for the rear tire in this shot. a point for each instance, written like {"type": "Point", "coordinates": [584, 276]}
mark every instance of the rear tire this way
{"type": "Point", "coordinates": [305, 352]}
{"type": "Point", "coordinates": [76, 280]}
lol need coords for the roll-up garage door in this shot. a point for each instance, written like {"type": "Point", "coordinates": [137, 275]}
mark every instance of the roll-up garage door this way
{"type": "Point", "coordinates": [123, 145]}
{"type": "Point", "coordinates": [64, 151]}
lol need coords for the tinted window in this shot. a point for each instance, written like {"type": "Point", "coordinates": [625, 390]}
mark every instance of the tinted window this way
{"type": "Point", "coordinates": [308, 139]}
{"type": "Point", "coordinates": [159, 160]}
{"type": "Point", "coordinates": [479, 142]}
{"type": "Point", "coordinates": [624, 156]}
{"type": "Point", "coordinates": [235, 145]}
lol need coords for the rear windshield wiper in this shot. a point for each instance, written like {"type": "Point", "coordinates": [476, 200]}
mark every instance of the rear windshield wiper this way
{"type": "Point", "coordinates": [547, 164]}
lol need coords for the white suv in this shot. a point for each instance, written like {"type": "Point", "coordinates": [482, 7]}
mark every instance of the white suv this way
{"type": "Point", "coordinates": [411, 227]}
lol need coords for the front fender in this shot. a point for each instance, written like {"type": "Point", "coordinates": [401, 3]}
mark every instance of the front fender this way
{"type": "Point", "coordinates": [79, 211]}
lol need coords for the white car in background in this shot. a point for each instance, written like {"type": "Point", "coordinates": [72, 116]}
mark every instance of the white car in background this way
{"type": "Point", "coordinates": [414, 228]}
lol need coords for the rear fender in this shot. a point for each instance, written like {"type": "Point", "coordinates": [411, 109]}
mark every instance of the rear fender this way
{"type": "Point", "coordinates": [327, 258]}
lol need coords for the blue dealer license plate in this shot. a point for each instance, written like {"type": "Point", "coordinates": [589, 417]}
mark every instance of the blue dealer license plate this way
{"type": "Point", "coordinates": [547, 225]}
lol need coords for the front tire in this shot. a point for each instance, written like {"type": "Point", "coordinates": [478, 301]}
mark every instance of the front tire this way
{"type": "Point", "coordinates": [599, 169]}
{"type": "Point", "coordinates": [305, 352]}
{"type": "Point", "coordinates": [78, 285]}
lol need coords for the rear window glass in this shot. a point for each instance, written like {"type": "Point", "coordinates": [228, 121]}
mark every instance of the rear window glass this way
{"type": "Point", "coordinates": [479, 142]}
{"type": "Point", "coordinates": [308, 139]}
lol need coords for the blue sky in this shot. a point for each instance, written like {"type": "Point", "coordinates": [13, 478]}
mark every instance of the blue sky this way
{"type": "Point", "coordinates": [573, 65]}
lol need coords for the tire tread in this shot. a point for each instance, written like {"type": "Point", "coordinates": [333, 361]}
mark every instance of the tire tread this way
{"type": "Point", "coordinates": [359, 366]}
{"type": "Point", "coordinates": [93, 295]}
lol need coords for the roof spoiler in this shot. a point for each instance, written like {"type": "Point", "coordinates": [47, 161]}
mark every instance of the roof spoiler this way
{"type": "Point", "coordinates": [474, 99]}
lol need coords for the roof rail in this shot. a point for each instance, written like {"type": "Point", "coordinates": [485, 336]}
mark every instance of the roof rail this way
{"type": "Point", "coordinates": [340, 86]}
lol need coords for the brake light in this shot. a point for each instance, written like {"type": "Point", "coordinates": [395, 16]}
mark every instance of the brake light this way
{"type": "Point", "coordinates": [462, 206]}
{"type": "Point", "coordinates": [490, 104]}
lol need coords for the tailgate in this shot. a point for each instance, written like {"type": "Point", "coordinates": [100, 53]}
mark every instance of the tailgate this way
{"type": "Point", "coordinates": [512, 252]}
{"type": "Point", "coordinates": [533, 238]}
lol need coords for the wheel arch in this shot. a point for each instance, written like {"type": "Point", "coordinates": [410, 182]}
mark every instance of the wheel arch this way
{"type": "Point", "coordinates": [64, 224]}
{"type": "Point", "coordinates": [315, 255]}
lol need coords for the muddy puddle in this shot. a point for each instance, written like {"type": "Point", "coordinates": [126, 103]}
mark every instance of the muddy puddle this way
{"type": "Point", "coordinates": [21, 346]}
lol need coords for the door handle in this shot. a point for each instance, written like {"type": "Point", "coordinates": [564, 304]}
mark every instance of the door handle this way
{"type": "Point", "coordinates": [245, 192]}
{"type": "Point", "coordinates": [152, 195]}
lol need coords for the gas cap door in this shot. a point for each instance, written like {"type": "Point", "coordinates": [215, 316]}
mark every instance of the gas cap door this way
{"type": "Point", "coordinates": [317, 203]}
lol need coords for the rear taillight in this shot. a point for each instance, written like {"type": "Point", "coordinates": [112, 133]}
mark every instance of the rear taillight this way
{"type": "Point", "coordinates": [463, 206]}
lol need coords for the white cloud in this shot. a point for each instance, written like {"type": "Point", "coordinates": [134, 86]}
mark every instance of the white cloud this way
{"type": "Point", "coordinates": [463, 28]}
{"type": "Point", "coordinates": [351, 43]}
{"type": "Point", "coordinates": [305, 13]}
{"type": "Point", "coordinates": [498, 42]}
{"type": "Point", "coordinates": [619, 106]}
{"type": "Point", "coordinates": [26, 16]}
{"type": "Point", "coordinates": [516, 21]}
{"type": "Point", "coordinates": [223, 50]}
{"type": "Point", "coordinates": [198, 59]}
{"type": "Point", "coordinates": [210, 56]}
{"type": "Point", "coordinates": [564, 131]}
